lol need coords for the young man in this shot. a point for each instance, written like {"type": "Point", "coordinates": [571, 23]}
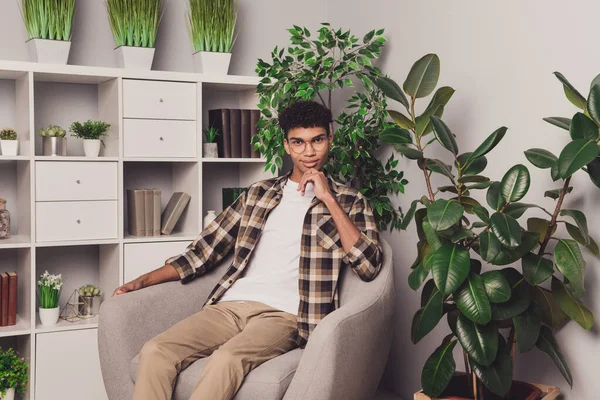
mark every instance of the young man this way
{"type": "Point", "coordinates": [291, 236]}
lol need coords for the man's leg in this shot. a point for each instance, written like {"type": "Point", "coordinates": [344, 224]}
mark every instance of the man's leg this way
{"type": "Point", "coordinates": [167, 354]}
{"type": "Point", "coordinates": [267, 334]}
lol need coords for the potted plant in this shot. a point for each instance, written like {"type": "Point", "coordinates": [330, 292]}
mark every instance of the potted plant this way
{"type": "Point", "coordinates": [91, 132]}
{"type": "Point", "coordinates": [209, 148]}
{"type": "Point", "coordinates": [134, 24]}
{"type": "Point", "coordinates": [492, 312]}
{"type": "Point", "coordinates": [8, 142]}
{"type": "Point", "coordinates": [49, 24]}
{"type": "Point", "coordinates": [13, 373]}
{"type": "Point", "coordinates": [313, 69]}
{"type": "Point", "coordinates": [50, 287]}
{"type": "Point", "coordinates": [54, 142]}
{"type": "Point", "coordinates": [89, 300]}
{"type": "Point", "coordinates": [211, 26]}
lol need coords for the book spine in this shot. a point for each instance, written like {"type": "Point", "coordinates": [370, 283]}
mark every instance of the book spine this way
{"type": "Point", "coordinates": [12, 299]}
{"type": "Point", "coordinates": [254, 117]}
{"type": "Point", "coordinates": [148, 211]}
{"type": "Point", "coordinates": [245, 127]}
{"type": "Point", "coordinates": [156, 210]}
{"type": "Point", "coordinates": [235, 126]}
{"type": "Point", "coordinates": [4, 300]}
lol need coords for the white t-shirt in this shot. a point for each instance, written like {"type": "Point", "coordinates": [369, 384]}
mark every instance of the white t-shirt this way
{"type": "Point", "coordinates": [271, 276]}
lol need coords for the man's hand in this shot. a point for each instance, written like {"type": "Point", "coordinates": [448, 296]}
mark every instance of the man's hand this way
{"type": "Point", "coordinates": [135, 284]}
{"type": "Point", "coordinates": [319, 180]}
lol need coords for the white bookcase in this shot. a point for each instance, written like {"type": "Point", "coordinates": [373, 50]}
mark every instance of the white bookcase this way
{"type": "Point", "coordinates": [69, 214]}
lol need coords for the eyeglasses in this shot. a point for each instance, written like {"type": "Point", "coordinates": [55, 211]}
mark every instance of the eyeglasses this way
{"type": "Point", "coordinates": [299, 146]}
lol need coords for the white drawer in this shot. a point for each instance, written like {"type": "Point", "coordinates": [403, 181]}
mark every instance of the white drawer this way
{"type": "Point", "coordinates": [76, 220]}
{"type": "Point", "coordinates": [159, 138]}
{"type": "Point", "coordinates": [160, 100]}
{"type": "Point", "coordinates": [141, 258]}
{"type": "Point", "coordinates": [66, 180]}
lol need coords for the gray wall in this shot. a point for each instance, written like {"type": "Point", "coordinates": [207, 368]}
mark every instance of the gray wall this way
{"type": "Point", "coordinates": [499, 56]}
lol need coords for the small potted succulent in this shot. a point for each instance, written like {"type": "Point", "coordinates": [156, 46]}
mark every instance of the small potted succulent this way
{"type": "Point", "coordinates": [50, 287]}
{"type": "Point", "coordinates": [13, 374]}
{"type": "Point", "coordinates": [54, 142]}
{"type": "Point", "coordinates": [89, 300]}
{"type": "Point", "coordinates": [91, 132]}
{"type": "Point", "coordinates": [209, 148]}
{"type": "Point", "coordinates": [8, 142]}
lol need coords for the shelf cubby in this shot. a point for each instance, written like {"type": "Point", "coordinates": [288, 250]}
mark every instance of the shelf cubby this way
{"type": "Point", "coordinates": [19, 260]}
{"type": "Point", "coordinates": [23, 345]}
{"type": "Point", "coordinates": [15, 108]}
{"type": "Point", "coordinates": [15, 188]}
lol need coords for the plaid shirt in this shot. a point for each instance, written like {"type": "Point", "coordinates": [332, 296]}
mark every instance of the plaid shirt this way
{"type": "Point", "coordinates": [240, 225]}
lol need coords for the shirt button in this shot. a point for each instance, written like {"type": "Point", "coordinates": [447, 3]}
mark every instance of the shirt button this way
{"type": "Point", "coordinates": [230, 281]}
{"type": "Point", "coordinates": [213, 299]}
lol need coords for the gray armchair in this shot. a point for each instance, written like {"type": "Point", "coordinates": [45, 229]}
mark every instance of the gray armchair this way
{"type": "Point", "coordinates": [343, 359]}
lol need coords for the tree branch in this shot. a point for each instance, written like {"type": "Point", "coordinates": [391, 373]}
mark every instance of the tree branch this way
{"type": "Point", "coordinates": [561, 198]}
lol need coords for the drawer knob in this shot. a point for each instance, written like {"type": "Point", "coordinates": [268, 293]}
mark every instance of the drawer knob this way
{"type": "Point", "coordinates": [161, 100]}
{"type": "Point", "coordinates": [78, 221]}
{"type": "Point", "coordinates": [161, 138]}
{"type": "Point", "coordinates": [78, 181]}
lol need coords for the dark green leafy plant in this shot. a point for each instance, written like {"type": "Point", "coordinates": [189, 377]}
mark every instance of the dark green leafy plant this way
{"type": "Point", "coordinates": [90, 129]}
{"type": "Point", "coordinates": [134, 22]}
{"type": "Point", "coordinates": [312, 69]}
{"type": "Point", "coordinates": [48, 19]}
{"type": "Point", "coordinates": [8, 134]}
{"type": "Point", "coordinates": [210, 134]}
{"type": "Point", "coordinates": [480, 305]}
{"type": "Point", "coordinates": [13, 371]}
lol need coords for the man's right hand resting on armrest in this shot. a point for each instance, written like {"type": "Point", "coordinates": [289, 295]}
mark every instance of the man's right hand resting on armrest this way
{"type": "Point", "coordinates": [165, 273]}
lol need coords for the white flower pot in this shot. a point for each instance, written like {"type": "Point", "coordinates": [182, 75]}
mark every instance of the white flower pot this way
{"type": "Point", "coordinates": [135, 57]}
{"type": "Point", "coordinates": [91, 147]}
{"type": "Point", "coordinates": [49, 51]}
{"type": "Point", "coordinates": [9, 147]}
{"type": "Point", "coordinates": [10, 394]}
{"type": "Point", "coordinates": [210, 150]}
{"type": "Point", "coordinates": [211, 63]}
{"type": "Point", "coordinates": [49, 316]}
{"type": "Point", "coordinates": [209, 217]}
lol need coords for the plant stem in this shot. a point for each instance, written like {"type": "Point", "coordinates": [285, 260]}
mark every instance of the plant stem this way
{"type": "Point", "coordinates": [467, 369]}
{"type": "Point", "coordinates": [474, 381]}
{"type": "Point", "coordinates": [561, 197]}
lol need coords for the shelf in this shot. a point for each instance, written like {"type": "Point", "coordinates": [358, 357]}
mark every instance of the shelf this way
{"type": "Point", "coordinates": [63, 325]}
{"type": "Point", "coordinates": [163, 238]}
{"type": "Point", "coordinates": [74, 158]}
{"type": "Point", "coordinates": [15, 242]}
{"type": "Point", "coordinates": [22, 327]}
{"type": "Point", "coordinates": [234, 160]}
{"type": "Point", "coordinates": [158, 159]}
{"type": "Point", "coordinates": [14, 158]}
{"type": "Point", "coordinates": [76, 243]}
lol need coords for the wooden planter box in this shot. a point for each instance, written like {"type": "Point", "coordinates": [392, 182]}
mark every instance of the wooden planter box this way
{"type": "Point", "coordinates": [549, 393]}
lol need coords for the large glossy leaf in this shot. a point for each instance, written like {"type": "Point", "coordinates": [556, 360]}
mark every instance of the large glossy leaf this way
{"type": "Point", "coordinates": [583, 128]}
{"type": "Point", "coordinates": [468, 203]}
{"type": "Point", "coordinates": [593, 105]}
{"type": "Point", "coordinates": [581, 222]}
{"type": "Point", "coordinates": [541, 158]}
{"type": "Point", "coordinates": [561, 122]}
{"type": "Point", "coordinates": [408, 152]}
{"type": "Point", "coordinates": [496, 286]}
{"type": "Point", "coordinates": [444, 135]}
{"type": "Point", "coordinates": [474, 167]}
{"type": "Point", "coordinates": [554, 174]}
{"type": "Point", "coordinates": [409, 215]}
{"type": "Point", "coordinates": [427, 317]}
{"type": "Point", "coordinates": [442, 214]}
{"type": "Point", "coordinates": [529, 240]}
{"type": "Point", "coordinates": [418, 275]}
{"type": "Point", "coordinates": [552, 315]}
{"type": "Point", "coordinates": [435, 108]}
{"type": "Point", "coordinates": [506, 229]}
{"type": "Point", "coordinates": [555, 193]}
{"type": "Point", "coordinates": [434, 241]}
{"type": "Point", "coordinates": [547, 343]}
{"type": "Point", "coordinates": [578, 236]}
{"type": "Point", "coordinates": [536, 269]}
{"type": "Point", "coordinates": [516, 210]}
{"type": "Point", "coordinates": [427, 291]}
{"type": "Point", "coordinates": [494, 196]}
{"type": "Point", "coordinates": [539, 225]}
{"type": "Point", "coordinates": [440, 167]}
{"type": "Point", "coordinates": [575, 155]}
{"type": "Point", "coordinates": [593, 170]}
{"type": "Point", "coordinates": [392, 90]}
{"type": "Point", "coordinates": [482, 213]}
{"type": "Point", "coordinates": [570, 262]}
{"type": "Point", "coordinates": [490, 246]}
{"type": "Point", "coordinates": [438, 370]}
{"type": "Point", "coordinates": [395, 135]}
{"type": "Point", "coordinates": [520, 298]}
{"type": "Point", "coordinates": [401, 120]}
{"type": "Point", "coordinates": [450, 266]}
{"type": "Point", "coordinates": [420, 217]}
{"type": "Point", "coordinates": [515, 183]}
{"type": "Point", "coordinates": [527, 328]}
{"type": "Point", "coordinates": [572, 94]}
{"type": "Point", "coordinates": [498, 376]}
{"type": "Point", "coordinates": [472, 300]}
{"type": "Point", "coordinates": [571, 306]}
{"type": "Point", "coordinates": [423, 76]}
{"type": "Point", "coordinates": [488, 144]}
{"type": "Point", "coordinates": [479, 341]}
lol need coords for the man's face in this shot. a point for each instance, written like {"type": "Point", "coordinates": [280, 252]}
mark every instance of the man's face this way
{"type": "Point", "coordinates": [308, 148]}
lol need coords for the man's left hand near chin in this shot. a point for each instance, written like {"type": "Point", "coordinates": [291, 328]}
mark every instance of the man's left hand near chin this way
{"type": "Point", "coordinates": [320, 185]}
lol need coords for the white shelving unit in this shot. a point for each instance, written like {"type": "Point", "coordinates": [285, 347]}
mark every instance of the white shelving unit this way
{"type": "Point", "coordinates": [69, 214]}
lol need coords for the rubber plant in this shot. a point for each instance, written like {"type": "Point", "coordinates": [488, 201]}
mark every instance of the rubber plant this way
{"type": "Point", "coordinates": [493, 312]}
{"type": "Point", "coordinates": [312, 69]}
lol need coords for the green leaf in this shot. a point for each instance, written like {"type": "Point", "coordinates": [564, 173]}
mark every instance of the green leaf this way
{"type": "Point", "coordinates": [506, 229]}
{"type": "Point", "coordinates": [450, 266]}
{"type": "Point", "coordinates": [490, 246]}
{"type": "Point", "coordinates": [482, 213]}
{"type": "Point", "coordinates": [572, 94]}
{"type": "Point", "coordinates": [536, 269]}
{"type": "Point", "coordinates": [444, 135]}
{"type": "Point", "coordinates": [427, 317]}
{"type": "Point", "coordinates": [480, 342]}
{"type": "Point", "coordinates": [475, 166]}
{"type": "Point", "coordinates": [395, 135]}
{"type": "Point", "coordinates": [516, 210]}
{"type": "Point", "coordinates": [578, 236]}
{"type": "Point", "coordinates": [401, 120]}
{"type": "Point", "coordinates": [472, 300]}
{"type": "Point", "coordinates": [554, 174]}
{"type": "Point", "coordinates": [552, 315]}
{"type": "Point", "coordinates": [409, 152]}
{"type": "Point", "coordinates": [527, 328]}
{"type": "Point", "coordinates": [515, 183]}
{"type": "Point", "coordinates": [435, 107]}
{"type": "Point", "coordinates": [473, 178]}
{"type": "Point", "coordinates": [439, 167]}
{"type": "Point", "coordinates": [442, 214]}
{"type": "Point", "coordinates": [541, 158]}
{"type": "Point", "coordinates": [498, 376]}
{"type": "Point", "coordinates": [564, 123]}
{"type": "Point", "coordinates": [468, 203]}
{"type": "Point", "coordinates": [494, 196]}
{"type": "Point", "coordinates": [575, 155]}
{"type": "Point", "coordinates": [520, 298]}
{"type": "Point", "coordinates": [581, 222]}
{"type": "Point", "coordinates": [583, 128]}
{"type": "Point", "coordinates": [488, 144]}
{"type": "Point", "coordinates": [540, 226]}
{"type": "Point", "coordinates": [409, 215]}
{"type": "Point", "coordinates": [496, 286]}
{"type": "Point", "coordinates": [423, 76]}
{"type": "Point", "coordinates": [555, 193]}
{"type": "Point", "coordinates": [547, 343]}
{"type": "Point", "coordinates": [593, 106]}
{"type": "Point", "coordinates": [570, 263]}
{"type": "Point", "coordinates": [418, 276]}
{"type": "Point", "coordinates": [593, 170]}
{"type": "Point", "coordinates": [571, 306]}
{"type": "Point", "coordinates": [391, 89]}
{"type": "Point", "coordinates": [427, 291]}
{"type": "Point", "coordinates": [438, 370]}
{"type": "Point", "coordinates": [432, 239]}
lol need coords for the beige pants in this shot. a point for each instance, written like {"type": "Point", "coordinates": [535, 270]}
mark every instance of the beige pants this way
{"type": "Point", "coordinates": [240, 337]}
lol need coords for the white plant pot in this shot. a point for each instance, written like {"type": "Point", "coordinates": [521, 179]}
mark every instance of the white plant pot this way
{"type": "Point", "coordinates": [207, 62]}
{"type": "Point", "coordinates": [210, 150]}
{"type": "Point", "coordinates": [10, 394]}
{"type": "Point", "coordinates": [49, 51]}
{"type": "Point", "coordinates": [49, 316]}
{"type": "Point", "coordinates": [135, 57]}
{"type": "Point", "coordinates": [9, 147]}
{"type": "Point", "coordinates": [91, 147]}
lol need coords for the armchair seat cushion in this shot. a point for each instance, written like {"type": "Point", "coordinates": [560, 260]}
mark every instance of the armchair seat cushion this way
{"type": "Point", "coordinates": [268, 381]}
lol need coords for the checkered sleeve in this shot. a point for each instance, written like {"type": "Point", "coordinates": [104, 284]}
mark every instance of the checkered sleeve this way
{"type": "Point", "coordinates": [365, 257]}
{"type": "Point", "coordinates": [213, 243]}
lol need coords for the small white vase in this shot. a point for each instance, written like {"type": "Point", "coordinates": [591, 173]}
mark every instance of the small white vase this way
{"type": "Point", "coordinates": [10, 394]}
{"type": "Point", "coordinates": [210, 150]}
{"type": "Point", "coordinates": [207, 62]}
{"type": "Point", "coordinates": [9, 147]}
{"type": "Point", "coordinates": [209, 217]}
{"type": "Point", "coordinates": [131, 57]}
{"type": "Point", "coordinates": [49, 51]}
{"type": "Point", "coordinates": [49, 316]}
{"type": "Point", "coordinates": [91, 147]}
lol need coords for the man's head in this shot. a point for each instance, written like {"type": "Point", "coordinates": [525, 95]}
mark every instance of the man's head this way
{"type": "Point", "coordinates": [307, 137]}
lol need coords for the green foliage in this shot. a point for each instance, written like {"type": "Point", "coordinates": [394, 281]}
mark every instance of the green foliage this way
{"type": "Point", "coordinates": [50, 287]}
{"type": "Point", "coordinates": [8, 134]}
{"type": "Point", "coordinates": [210, 134]}
{"type": "Point", "coordinates": [134, 22]}
{"type": "Point", "coordinates": [90, 129]}
{"type": "Point", "coordinates": [13, 371]}
{"type": "Point", "coordinates": [89, 290]}
{"type": "Point", "coordinates": [211, 24]}
{"type": "Point", "coordinates": [48, 19]}
{"type": "Point", "coordinates": [52, 131]}
{"type": "Point", "coordinates": [479, 304]}
{"type": "Point", "coordinates": [313, 68]}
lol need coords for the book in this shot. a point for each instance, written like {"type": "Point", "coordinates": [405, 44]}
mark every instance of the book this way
{"type": "Point", "coordinates": [254, 117]}
{"type": "Point", "coordinates": [135, 212]}
{"type": "Point", "coordinates": [156, 212]}
{"type": "Point", "coordinates": [219, 119]}
{"type": "Point", "coordinates": [235, 127]}
{"type": "Point", "coordinates": [245, 134]}
{"type": "Point", "coordinates": [173, 211]}
{"type": "Point", "coordinates": [148, 211]}
{"type": "Point", "coordinates": [12, 298]}
{"type": "Point", "coordinates": [4, 298]}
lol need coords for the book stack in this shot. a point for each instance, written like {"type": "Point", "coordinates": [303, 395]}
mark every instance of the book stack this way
{"type": "Point", "coordinates": [144, 212]}
{"type": "Point", "coordinates": [8, 298]}
{"type": "Point", "coordinates": [236, 128]}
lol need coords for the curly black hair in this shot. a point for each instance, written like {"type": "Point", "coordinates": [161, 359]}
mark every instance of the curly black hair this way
{"type": "Point", "coordinates": [305, 114]}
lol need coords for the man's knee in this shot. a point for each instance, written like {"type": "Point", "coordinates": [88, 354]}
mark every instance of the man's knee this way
{"type": "Point", "coordinates": [223, 358]}
{"type": "Point", "coordinates": [153, 350]}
